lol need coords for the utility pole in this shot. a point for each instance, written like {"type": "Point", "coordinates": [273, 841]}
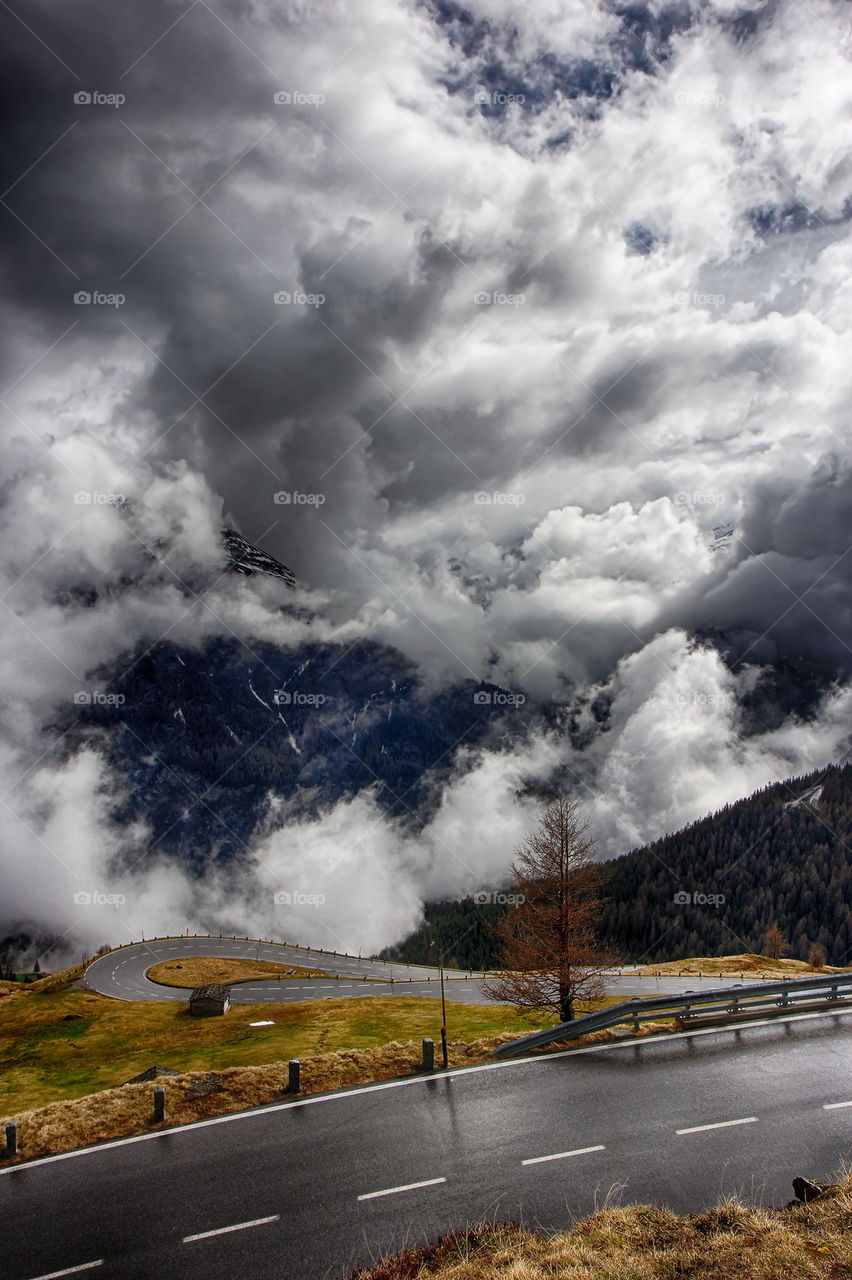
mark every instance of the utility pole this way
{"type": "Point", "coordinates": [444, 1053]}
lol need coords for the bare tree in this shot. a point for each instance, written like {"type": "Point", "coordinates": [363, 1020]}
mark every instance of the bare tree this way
{"type": "Point", "coordinates": [550, 955]}
{"type": "Point", "coordinates": [775, 944]}
{"type": "Point", "coordinates": [817, 956]}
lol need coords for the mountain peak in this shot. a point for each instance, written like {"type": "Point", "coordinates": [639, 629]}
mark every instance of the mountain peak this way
{"type": "Point", "coordinates": [246, 558]}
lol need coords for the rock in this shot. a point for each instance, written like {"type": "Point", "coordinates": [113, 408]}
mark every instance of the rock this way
{"type": "Point", "coordinates": [806, 1191]}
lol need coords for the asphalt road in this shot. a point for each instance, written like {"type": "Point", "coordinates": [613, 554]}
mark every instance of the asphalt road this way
{"type": "Point", "coordinates": [304, 1190]}
{"type": "Point", "coordinates": [122, 974]}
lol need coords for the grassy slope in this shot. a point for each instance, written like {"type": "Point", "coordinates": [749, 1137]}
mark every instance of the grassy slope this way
{"type": "Point", "coordinates": [731, 1242]}
{"type": "Point", "coordinates": [70, 1043]}
{"type": "Point", "coordinates": [738, 966]}
{"type": "Point", "coordinates": [127, 1110]}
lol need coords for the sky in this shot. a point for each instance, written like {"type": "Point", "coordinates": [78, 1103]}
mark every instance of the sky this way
{"type": "Point", "coordinates": [518, 333]}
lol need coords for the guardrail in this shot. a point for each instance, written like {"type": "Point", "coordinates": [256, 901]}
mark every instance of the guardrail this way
{"type": "Point", "coordinates": [734, 1001]}
{"type": "Point", "coordinates": [274, 942]}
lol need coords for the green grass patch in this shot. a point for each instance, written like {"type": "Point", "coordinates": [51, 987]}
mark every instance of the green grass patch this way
{"type": "Point", "coordinates": [69, 1043]}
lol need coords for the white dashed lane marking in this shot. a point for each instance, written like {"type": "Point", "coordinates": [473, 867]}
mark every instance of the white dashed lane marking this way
{"type": "Point", "coordinates": [563, 1155]}
{"type": "Point", "coordinates": [409, 1186]}
{"type": "Point", "coordinates": [720, 1124]}
{"type": "Point", "coordinates": [237, 1226]}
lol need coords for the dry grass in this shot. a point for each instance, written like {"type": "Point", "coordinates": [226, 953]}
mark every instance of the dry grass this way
{"type": "Point", "coordinates": [70, 1043]}
{"type": "Point", "coordinates": [730, 1242]}
{"type": "Point", "coordinates": [747, 965]}
{"type": "Point", "coordinates": [197, 1095]}
{"type": "Point", "coordinates": [194, 971]}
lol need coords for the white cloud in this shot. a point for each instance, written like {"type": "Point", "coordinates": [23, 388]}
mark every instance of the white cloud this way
{"type": "Point", "coordinates": [626, 404]}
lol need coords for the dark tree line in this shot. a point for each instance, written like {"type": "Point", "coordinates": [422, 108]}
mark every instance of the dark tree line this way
{"type": "Point", "coordinates": [773, 858]}
{"type": "Point", "coordinates": [462, 930]}
{"type": "Point", "coordinates": [772, 861]}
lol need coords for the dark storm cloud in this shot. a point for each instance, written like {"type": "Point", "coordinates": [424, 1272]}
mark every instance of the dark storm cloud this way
{"type": "Point", "coordinates": [109, 206]}
{"type": "Point", "coordinates": [522, 425]}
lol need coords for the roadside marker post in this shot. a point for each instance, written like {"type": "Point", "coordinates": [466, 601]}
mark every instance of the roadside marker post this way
{"type": "Point", "coordinates": [293, 1074]}
{"type": "Point", "coordinates": [159, 1104]}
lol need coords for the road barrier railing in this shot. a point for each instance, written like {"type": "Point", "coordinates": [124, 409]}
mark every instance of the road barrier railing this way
{"type": "Point", "coordinates": [828, 990]}
{"type": "Point", "coordinates": [292, 946]}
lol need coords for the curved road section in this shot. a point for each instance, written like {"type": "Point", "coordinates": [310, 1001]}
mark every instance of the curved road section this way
{"type": "Point", "coordinates": [123, 974]}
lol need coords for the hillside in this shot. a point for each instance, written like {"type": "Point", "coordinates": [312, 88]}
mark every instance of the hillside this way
{"type": "Point", "coordinates": [808, 1239]}
{"type": "Point", "coordinates": [784, 853]}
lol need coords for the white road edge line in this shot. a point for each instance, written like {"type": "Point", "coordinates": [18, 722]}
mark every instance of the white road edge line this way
{"type": "Point", "coordinates": [71, 1271]}
{"type": "Point", "coordinates": [720, 1124]}
{"type": "Point", "coordinates": [562, 1155]}
{"type": "Point", "coordinates": [607, 1047]}
{"type": "Point", "coordinates": [238, 1226]}
{"type": "Point", "coordinates": [832, 1106]}
{"type": "Point", "coordinates": [409, 1186]}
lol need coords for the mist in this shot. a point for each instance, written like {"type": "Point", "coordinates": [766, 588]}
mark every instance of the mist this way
{"type": "Point", "coordinates": [488, 325]}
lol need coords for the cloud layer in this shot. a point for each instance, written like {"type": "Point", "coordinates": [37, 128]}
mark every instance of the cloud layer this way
{"type": "Point", "coordinates": [508, 312]}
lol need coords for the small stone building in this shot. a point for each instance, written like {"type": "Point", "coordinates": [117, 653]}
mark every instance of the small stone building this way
{"type": "Point", "coordinates": [209, 1000]}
